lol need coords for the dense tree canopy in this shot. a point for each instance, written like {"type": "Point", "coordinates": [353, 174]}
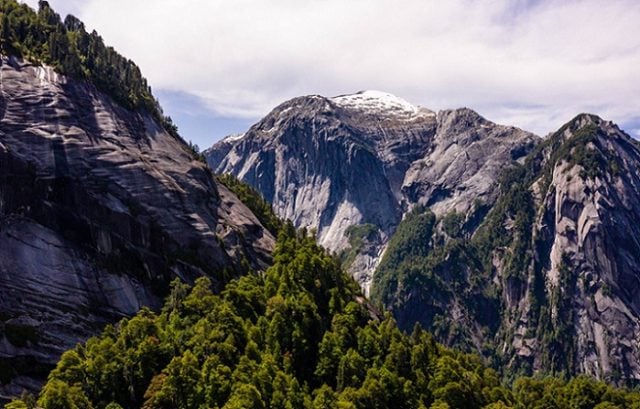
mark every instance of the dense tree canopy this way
{"type": "Point", "coordinates": [298, 336]}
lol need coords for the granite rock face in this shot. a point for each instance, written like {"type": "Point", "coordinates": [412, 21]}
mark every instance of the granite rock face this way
{"type": "Point", "coordinates": [585, 253]}
{"type": "Point", "coordinates": [468, 154]}
{"type": "Point", "coordinates": [99, 209]}
{"type": "Point", "coordinates": [548, 280]}
{"type": "Point", "coordinates": [366, 159]}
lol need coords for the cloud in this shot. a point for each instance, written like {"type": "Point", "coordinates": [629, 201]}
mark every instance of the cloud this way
{"type": "Point", "coordinates": [534, 64]}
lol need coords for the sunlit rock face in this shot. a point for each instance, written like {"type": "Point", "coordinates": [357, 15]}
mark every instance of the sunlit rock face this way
{"type": "Point", "coordinates": [549, 280]}
{"type": "Point", "coordinates": [365, 159]}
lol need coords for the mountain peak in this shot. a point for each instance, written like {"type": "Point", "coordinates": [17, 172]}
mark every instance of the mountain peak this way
{"type": "Point", "coordinates": [461, 114]}
{"type": "Point", "coordinates": [586, 118]}
{"type": "Point", "coordinates": [585, 123]}
{"type": "Point", "coordinates": [583, 120]}
{"type": "Point", "coordinates": [380, 103]}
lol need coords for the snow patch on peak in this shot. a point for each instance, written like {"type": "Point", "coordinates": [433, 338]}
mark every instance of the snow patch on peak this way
{"type": "Point", "coordinates": [380, 103]}
{"type": "Point", "coordinates": [233, 137]}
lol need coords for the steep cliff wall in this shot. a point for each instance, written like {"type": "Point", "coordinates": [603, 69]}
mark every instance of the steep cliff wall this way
{"type": "Point", "coordinates": [549, 280]}
{"type": "Point", "coordinates": [99, 209]}
{"type": "Point", "coordinates": [356, 163]}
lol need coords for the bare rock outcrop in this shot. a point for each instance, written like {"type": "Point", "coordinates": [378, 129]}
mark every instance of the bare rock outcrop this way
{"type": "Point", "coordinates": [586, 251]}
{"type": "Point", "coordinates": [365, 159]}
{"type": "Point", "coordinates": [549, 280]}
{"type": "Point", "coordinates": [100, 208]}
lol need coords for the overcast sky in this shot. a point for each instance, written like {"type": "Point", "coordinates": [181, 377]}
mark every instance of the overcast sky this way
{"type": "Point", "coordinates": [219, 65]}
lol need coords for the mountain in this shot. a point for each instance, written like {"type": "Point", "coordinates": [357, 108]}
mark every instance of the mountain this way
{"type": "Point", "coordinates": [352, 166]}
{"type": "Point", "coordinates": [549, 281]}
{"type": "Point", "coordinates": [585, 248]}
{"type": "Point", "coordinates": [101, 203]}
{"type": "Point", "coordinates": [530, 245]}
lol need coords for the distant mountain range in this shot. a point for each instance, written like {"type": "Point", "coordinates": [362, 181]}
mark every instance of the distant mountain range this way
{"type": "Point", "coordinates": [524, 249]}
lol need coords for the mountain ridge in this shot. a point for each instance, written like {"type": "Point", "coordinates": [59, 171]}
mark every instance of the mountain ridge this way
{"type": "Point", "coordinates": [553, 230]}
{"type": "Point", "coordinates": [329, 167]}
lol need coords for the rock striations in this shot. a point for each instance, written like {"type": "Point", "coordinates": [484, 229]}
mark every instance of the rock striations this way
{"type": "Point", "coordinates": [548, 280]}
{"type": "Point", "coordinates": [576, 305]}
{"type": "Point", "coordinates": [99, 209]}
{"type": "Point", "coordinates": [363, 160]}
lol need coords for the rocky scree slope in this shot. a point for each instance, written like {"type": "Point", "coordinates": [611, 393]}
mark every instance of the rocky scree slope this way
{"type": "Point", "coordinates": [549, 281]}
{"type": "Point", "coordinates": [352, 166]}
{"type": "Point", "coordinates": [100, 208]}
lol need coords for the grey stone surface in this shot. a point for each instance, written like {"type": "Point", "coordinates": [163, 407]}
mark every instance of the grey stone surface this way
{"type": "Point", "coordinates": [332, 163]}
{"type": "Point", "coordinates": [572, 303]}
{"type": "Point", "coordinates": [467, 156]}
{"type": "Point", "coordinates": [99, 209]}
{"type": "Point", "coordinates": [588, 232]}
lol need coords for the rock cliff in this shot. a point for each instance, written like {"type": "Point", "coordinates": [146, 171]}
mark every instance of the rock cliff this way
{"type": "Point", "coordinates": [100, 208]}
{"type": "Point", "coordinates": [356, 164]}
{"type": "Point", "coordinates": [549, 280]}
{"type": "Point", "coordinates": [575, 306]}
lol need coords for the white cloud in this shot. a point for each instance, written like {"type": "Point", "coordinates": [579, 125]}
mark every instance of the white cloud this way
{"type": "Point", "coordinates": [534, 64]}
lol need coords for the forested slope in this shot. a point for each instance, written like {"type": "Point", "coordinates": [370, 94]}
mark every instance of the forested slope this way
{"type": "Point", "coordinates": [299, 336]}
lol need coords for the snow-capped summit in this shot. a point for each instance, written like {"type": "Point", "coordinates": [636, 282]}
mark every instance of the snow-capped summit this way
{"type": "Point", "coordinates": [380, 103]}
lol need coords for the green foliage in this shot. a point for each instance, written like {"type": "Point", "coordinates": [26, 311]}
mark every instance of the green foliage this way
{"type": "Point", "coordinates": [425, 270]}
{"type": "Point", "coordinates": [298, 336]}
{"type": "Point", "coordinates": [43, 37]}
{"type": "Point", "coordinates": [58, 394]}
{"type": "Point", "coordinates": [557, 330]}
{"type": "Point", "coordinates": [453, 224]}
{"type": "Point", "coordinates": [581, 392]}
{"type": "Point", "coordinates": [411, 243]}
{"type": "Point", "coordinates": [515, 204]}
{"type": "Point", "coordinates": [26, 401]}
{"type": "Point", "coordinates": [357, 234]}
{"type": "Point", "coordinates": [583, 150]}
{"type": "Point", "coordinates": [193, 148]}
{"type": "Point", "coordinates": [16, 404]}
{"type": "Point", "coordinates": [253, 200]}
